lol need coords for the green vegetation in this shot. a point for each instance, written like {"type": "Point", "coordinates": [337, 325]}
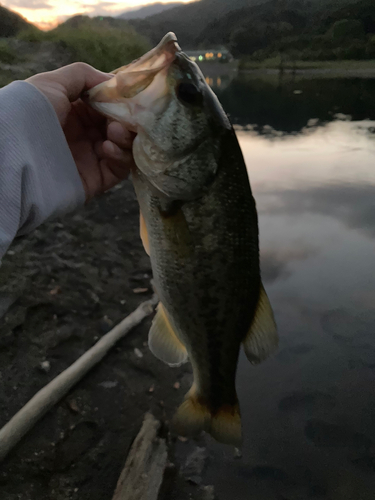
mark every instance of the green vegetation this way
{"type": "Point", "coordinates": [7, 54]}
{"type": "Point", "coordinates": [5, 78]}
{"type": "Point", "coordinates": [104, 44]}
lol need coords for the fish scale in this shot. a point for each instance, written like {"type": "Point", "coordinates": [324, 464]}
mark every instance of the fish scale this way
{"type": "Point", "coordinates": [206, 273]}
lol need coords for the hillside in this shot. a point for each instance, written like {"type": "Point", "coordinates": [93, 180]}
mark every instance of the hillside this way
{"type": "Point", "coordinates": [297, 29]}
{"type": "Point", "coordinates": [11, 23]}
{"type": "Point", "coordinates": [305, 29]}
{"type": "Point", "coordinates": [190, 21]}
{"type": "Point", "coordinates": [149, 10]}
{"type": "Point", "coordinates": [82, 21]}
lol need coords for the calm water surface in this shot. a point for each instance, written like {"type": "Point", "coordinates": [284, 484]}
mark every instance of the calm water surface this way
{"type": "Point", "coordinates": [309, 412]}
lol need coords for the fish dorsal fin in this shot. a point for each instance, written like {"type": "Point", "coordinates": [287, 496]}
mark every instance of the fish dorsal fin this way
{"type": "Point", "coordinates": [163, 341]}
{"type": "Point", "coordinates": [144, 234]}
{"type": "Point", "coordinates": [262, 339]}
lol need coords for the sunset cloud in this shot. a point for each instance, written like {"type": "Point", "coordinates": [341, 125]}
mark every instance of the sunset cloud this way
{"type": "Point", "coordinates": [48, 13]}
{"type": "Point", "coordinates": [103, 8]}
{"type": "Point", "coordinates": [29, 4]}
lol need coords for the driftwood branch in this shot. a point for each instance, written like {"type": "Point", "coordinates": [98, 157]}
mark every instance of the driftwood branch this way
{"type": "Point", "coordinates": [47, 397]}
{"type": "Point", "coordinates": [143, 473]}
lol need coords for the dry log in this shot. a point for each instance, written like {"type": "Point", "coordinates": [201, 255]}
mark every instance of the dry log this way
{"type": "Point", "coordinates": [143, 473]}
{"type": "Point", "coordinates": [47, 397]}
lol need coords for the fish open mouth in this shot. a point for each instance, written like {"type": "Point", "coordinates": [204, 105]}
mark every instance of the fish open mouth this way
{"type": "Point", "coordinates": [123, 95]}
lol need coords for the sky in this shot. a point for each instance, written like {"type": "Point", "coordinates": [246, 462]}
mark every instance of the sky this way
{"type": "Point", "coordinates": [47, 13]}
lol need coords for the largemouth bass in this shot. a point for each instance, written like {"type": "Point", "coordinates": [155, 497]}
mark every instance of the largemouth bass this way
{"type": "Point", "coordinates": [199, 226]}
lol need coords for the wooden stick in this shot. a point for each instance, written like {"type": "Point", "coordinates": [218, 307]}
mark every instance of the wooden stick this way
{"type": "Point", "coordinates": [47, 397]}
{"type": "Point", "coordinates": [144, 468]}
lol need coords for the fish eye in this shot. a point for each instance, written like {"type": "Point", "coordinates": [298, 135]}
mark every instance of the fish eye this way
{"type": "Point", "coordinates": [188, 93]}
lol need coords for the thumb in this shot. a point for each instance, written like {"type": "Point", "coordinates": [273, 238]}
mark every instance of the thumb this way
{"type": "Point", "coordinates": [78, 77]}
{"type": "Point", "coordinates": [67, 84]}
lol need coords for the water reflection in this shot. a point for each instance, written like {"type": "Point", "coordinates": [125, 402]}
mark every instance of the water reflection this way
{"type": "Point", "coordinates": [309, 413]}
{"type": "Point", "coordinates": [288, 103]}
{"type": "Point", "coordinates": [220, 81]}
{"type": "Point", "coordinates": [215, 81]}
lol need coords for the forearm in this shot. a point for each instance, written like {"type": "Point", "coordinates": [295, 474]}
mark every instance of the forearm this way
{"type": "Point", "coordinates": [38, 176]}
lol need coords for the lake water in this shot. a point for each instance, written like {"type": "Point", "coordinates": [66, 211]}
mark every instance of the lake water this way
{"type": "Point", "coordinates": [309, 412]}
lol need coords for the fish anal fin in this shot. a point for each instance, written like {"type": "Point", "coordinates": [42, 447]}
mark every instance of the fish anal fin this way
{"type": "Point", "coordinates": [262, 339]}
{"type": "Point", "coordinates": [195, 416]}
{"type": "Point", "coordinates": [144, 234]}
{"type": "Point", "coordinates": [163, 341]}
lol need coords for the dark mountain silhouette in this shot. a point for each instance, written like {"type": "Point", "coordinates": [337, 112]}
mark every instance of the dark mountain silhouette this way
{"type": "Point", "coordinates": [81, 21]}
{"type": "Point", "coordinates": [11, 23]}
{"type": "Point", "coordinates": [149, 10]}
{"type": "Point", "coordinates": [190, 21]}
{"type": "Point", "coordinates": [300, 29]}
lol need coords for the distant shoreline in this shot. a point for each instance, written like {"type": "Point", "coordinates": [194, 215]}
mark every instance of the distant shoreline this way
{"type": "Point", "coordinates": [339, 69]}
{"type": "Point", "coordinates": [349, 68]}
{"type": "Point", "coordinates": [326, 72]}
{"type": "Point", "coordinates": [216, 69]}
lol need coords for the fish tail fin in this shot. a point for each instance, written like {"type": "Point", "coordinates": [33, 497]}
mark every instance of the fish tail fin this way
{"type": "Point", "coordinates": [226, 425]}
{"type": "Point", "coordinates": [194, 416]}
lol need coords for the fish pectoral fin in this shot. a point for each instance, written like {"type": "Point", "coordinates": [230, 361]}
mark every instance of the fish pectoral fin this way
{"type": "Point", "coordinates": [144, 234]}
{"type": "Point", "coordinates": [262, 339]}
{"type": "Point", "coordinates": [163, 341]}
{"type": "Point", "coordinates": [176, 229]}
{"type": "Point", "coordinates": [194, 416]}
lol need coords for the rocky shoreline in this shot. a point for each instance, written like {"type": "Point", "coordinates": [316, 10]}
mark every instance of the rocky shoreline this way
{"type": "Point", "coordinates": [64, 286]}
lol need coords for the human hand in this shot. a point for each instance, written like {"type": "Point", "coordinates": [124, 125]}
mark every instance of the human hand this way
{"type": "Point", "coordinates": [101, 151]}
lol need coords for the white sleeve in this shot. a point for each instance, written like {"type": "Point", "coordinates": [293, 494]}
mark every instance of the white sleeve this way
{"type": "Point", "coordinates": [38, 176]}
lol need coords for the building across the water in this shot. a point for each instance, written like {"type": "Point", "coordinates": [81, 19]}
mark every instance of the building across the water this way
{"type": "Point", "coordinates": [218, 55]}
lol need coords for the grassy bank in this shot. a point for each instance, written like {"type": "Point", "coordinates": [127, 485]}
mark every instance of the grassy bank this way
{"type": "Point", "coordinates": [97, 43]}
{"type": "Point", "coordinates": [106, 45]}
